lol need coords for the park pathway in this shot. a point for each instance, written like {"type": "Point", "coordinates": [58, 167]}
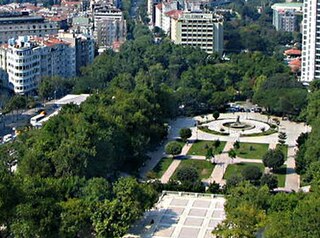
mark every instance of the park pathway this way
{"type": "Point", "coordinates": [169, 172]}
{"type": "Point", "coordinates": [175, 164]}
{"type": "Point", "coordinates": [292, 178]}
{"type": "Point", "coordinates": [222, 162]}
{"type": "Point", "coordinates": [272, 146]}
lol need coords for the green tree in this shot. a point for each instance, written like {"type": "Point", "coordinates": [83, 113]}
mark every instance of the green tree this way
{"type": "Point", "coordinates": [187, 174]}
{"type": "Point", "coordinates": [75, 218]}
{"type": "Point", "coordinates": [173, 148]}
{"type": "Point", "coordinates": [236, 145]}
{"type": "Point", "coordinates": [282, 138]}
{"type": "Point", "coordinates": [270, 180]}
{"type": "Point", "coordinates": [185, 133]}
{"type": "Point", "coordinates": [216, 115]}
{"type": "Point", "coordinates": [273, 159]}
{"type": "Point", "coordinates": [232, 154]}
{"type": "Point", "coordinates": [245, 221]}
{"type": "Point", "coordinates": [251, 173]}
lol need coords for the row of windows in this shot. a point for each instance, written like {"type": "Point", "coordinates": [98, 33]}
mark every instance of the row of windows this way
{"type": "Point", "coordinates": [195, 44]}
{"type": "Point", "coordinates": [27, 26]}
{"type": "Point", "coordinates": [197, 35]}
{"type": "Point", "coordinates": [26, 87]}
{"type": "Point", "coordinates": [24, 81]}
{"type": "Point", "coordinates": [24, 60]}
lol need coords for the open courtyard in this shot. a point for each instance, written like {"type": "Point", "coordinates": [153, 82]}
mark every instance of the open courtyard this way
{"type": "Point", "coordinates": [182, 215]}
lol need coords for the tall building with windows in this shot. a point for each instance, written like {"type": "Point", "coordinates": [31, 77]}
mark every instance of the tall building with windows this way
{"type": "Point", "coordinates": [286, 16]}
{"type": "Point", "coordinates": [109, 26]}
{"type": "Point", "coordinates": [198, 29]}
{"type": "Point", "coordinates": [21, 24]}
{"type": "Point", "coordinates": [311, 41]}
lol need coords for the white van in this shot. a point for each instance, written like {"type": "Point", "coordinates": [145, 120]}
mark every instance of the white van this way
{"type": "Point", "coordinates": [7, 138]}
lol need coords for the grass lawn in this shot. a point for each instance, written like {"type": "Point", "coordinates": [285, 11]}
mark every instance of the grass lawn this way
{"type": "Point", "coordinates": [162, 166]}
{"type": "Point", "coordinates": [203, 167]}
{"type": "Point", "coordinates": [284, 149]}
{"type": "Point", "coordinates": [235, 169]}
{"type": "Point", "coordinates": [201, 147]}
{"type": "Point", "coordinates": [252, 150]}
{"type": "Point", "coordinates": [207, 130]}
{"type": "Point", "coordinates": [281, 175]}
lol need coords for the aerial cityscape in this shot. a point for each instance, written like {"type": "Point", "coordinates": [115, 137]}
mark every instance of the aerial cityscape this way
{"type": "Point", "coordinates": [160, 118]}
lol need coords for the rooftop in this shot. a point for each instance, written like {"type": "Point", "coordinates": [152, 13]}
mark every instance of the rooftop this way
{"type": "Point", "coordinates": [72, 98]}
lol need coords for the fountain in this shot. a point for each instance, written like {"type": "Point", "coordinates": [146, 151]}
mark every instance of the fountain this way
{"type": "Point", "coordinates": [238, 125]}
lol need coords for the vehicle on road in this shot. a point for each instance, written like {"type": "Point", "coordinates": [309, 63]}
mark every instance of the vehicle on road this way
{"type": "Point", "coordinates": [34, 120]}
{"type": "Point", "coordinates": [7, 138]}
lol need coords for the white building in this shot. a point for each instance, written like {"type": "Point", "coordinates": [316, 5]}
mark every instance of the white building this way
{"type": "Point", "coordinates": [162, 14]}
{"type": "Point", "coordinates": [198, 29]}
{"type": "Point", "coordinates": [311, 41]}
{"type": "Point", "coordinates": [84, 48]}
{"type": "Point", "coordinates": [23, 65]}
{"type": "Point", "coordinates": [25, 60]}
{"type": "Point", "coordinates": [285, 16]}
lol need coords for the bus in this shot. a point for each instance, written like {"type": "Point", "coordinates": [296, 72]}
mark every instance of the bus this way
{"type": "Point", "coordinates": [34, 120]}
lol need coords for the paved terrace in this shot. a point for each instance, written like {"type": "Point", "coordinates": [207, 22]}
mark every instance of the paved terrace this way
{"type": "Point", "coordinates": [181, 215]}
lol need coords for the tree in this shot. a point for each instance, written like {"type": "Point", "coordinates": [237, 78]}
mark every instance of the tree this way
{"type": "Point", "coordinates": [75, 218]}
{"type": "Point", "coordinates": [214, 187]}
{"type": "Point", "coordinates": [217, 143]}
{"type": "Point", "coordinates": [216, 115]}
{"type": "Point", "coordinates": [251, 173]}
{"type": "Point", "coordinates": [270, 180]}
{"type": "Point", "coordinates": [187, 174]}
{"type": "Point", "coordinates": [173, 148]}
{"type": "Point", "coordinates": [244, 221]}
{"type": "Point", "coordinates": [209, 154]}
{"type": "Point", "coordinates": [282, 138]}
{"type": "Point", "coordinates": [273, 159]}
{"type": "Point", "coordinates": [232, 154]}
{"type": "Point", "coordinates": [185, 133]}
{"type": "Point", "coordinates": [236, 145]}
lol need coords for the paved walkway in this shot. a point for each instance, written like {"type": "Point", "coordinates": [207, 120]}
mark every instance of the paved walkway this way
{"type": "Point", "coordinates": [272, 146]}
{"type": "Point", "coordinates": [175, 164]}
{"type": "Point", "coordinates": [292, 178]}
{"type": "Point", "coordinates": [170, 171]}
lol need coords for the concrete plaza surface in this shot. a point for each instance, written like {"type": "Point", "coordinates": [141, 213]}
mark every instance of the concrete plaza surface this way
{"type": "Point", "coordinates": [181, 215]}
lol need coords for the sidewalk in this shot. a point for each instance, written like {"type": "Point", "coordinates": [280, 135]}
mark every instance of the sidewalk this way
{"type": "Point", "coordinates": [292, 178]}
{"type": "Point", "coordinates": [174, 165]}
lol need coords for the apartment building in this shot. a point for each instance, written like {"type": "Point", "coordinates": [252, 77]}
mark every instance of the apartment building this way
{"type": "Point", "coordinates": [310, 41]}
{"type": "Point", "coordinates": [198, 29]}
{"type": "Point", "coordinates": [25, 60]}
{"type": "Point", "coordinates": [17, 24]}
{"type": "Point", "coordinates": [286, 15]}
{"type": "Point", "coordinates": [84, 48]}
{"type": "Point", "coordinates": [109, 26]}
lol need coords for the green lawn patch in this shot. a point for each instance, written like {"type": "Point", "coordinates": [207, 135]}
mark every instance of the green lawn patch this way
{"type": "Point", "coordinates": [201, 147]}
{"type": "Point", "coordinates": [162, 166]}
{"type": "Point", "coordinates": [284, 149]}
{"type": "Point", "coordinates": [281, 175]}
{"type": "Point", "coordinates": [206, 129]}
{"type": "Point", "coordinates": [252, 150]}
{"type": "Point", "coordinates": [235, 169]}
{"type": "Point", "coordinates": [203, 167]}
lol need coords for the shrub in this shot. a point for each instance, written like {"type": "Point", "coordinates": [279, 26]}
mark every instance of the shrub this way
{"type": "Point", "coordinates": [187, 174]}
{"type": "Point", "coordinates": [251, 173]}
